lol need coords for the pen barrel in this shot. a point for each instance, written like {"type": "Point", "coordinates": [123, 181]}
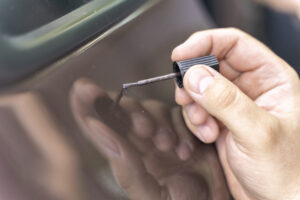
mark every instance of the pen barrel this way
{"type": "Point", "coordinates": [181, 67]}
{"type": "Point", "coordinates": [157, 79]}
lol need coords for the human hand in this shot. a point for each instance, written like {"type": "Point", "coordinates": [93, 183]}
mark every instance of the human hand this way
{"type": "Point", "coordinates": [251, 109]}
{"type": "Point", "coordinates": [151, 152]}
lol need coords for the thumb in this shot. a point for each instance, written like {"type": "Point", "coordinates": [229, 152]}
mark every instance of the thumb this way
{"type": "Point", "coordinates": [225, 101]}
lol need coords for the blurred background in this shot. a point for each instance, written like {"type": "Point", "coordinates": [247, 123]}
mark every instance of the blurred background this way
{"type": "Point", "coordinates": [275, 23]}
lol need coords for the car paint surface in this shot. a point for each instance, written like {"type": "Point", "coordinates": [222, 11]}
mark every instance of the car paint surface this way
{"type": "Point", "coordinates": [60, 162]}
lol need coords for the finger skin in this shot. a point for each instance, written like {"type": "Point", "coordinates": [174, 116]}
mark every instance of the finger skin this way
{"type": "Point", "coordinates": [182, 97]}
{"type": "Point", "coordinates": [147, 174]}
{"type": "Point", "coordinates": [256, 97]}
{"type": "Point", "coordinates": [232, 107]}
{"type": "Point", "coordinates": [227, 44]}
{"type": "Point", "coordinates": [233, 182]}
{"type": "Point", "coordinates": [197, 115]}
{"type": "Point", "coordinates": [208, 132]}
{"type": "Point", "coordinates": [257, 67]}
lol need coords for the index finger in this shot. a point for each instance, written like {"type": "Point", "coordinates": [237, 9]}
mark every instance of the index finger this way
{"type": "Point", "coordinates": [240, 51]}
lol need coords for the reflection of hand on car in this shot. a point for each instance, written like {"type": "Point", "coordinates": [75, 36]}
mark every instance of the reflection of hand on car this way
{"type": "Point", "coordinates": [154, 157]}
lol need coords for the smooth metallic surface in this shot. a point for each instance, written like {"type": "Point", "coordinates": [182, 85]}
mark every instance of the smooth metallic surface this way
{"type": "Point", "coordinates": [61, 139]}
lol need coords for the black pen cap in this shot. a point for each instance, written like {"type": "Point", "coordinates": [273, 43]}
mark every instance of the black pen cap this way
{"type": "Point", "coordinates": [182, 67]}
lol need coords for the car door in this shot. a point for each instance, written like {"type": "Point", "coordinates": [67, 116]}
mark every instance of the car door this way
{"type": "Point", "coordinates": [45, 152]}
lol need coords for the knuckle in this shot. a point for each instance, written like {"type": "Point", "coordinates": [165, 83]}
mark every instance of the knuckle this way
{"type": "Point", "coordinates": [225, 96]}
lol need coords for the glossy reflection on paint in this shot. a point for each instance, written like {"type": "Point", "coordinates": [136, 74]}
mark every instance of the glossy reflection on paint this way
{"type": "Point", "coordinates": [148, 147]}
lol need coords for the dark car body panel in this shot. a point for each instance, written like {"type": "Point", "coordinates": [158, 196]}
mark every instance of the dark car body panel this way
{"type": "Point", "coordinates": [137, 47]}
{"type": "Point", "coordinates": [30, 47]}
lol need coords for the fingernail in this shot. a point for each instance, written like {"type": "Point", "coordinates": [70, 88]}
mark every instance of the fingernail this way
{"type": "Point", "coordinates": [199, 80]}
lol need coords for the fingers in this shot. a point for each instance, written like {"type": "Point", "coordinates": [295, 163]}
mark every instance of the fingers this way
{"type": "Point", "coordinates": [228, 44]}
{"type": "Point", "coordinates": [207, 132]}
{"type": "Point", "coordinates": [203, 43]}
{"type": "Point", "coordinates": [197, 118]}
{"type": "Point", "coordinates": [182, 97]}
{"type": "Point", "coordinates": [227, 103]}
{"type": "Point", "coordinates": [243, 60]}
{"type": "Point", "coordinates": [196, 114]}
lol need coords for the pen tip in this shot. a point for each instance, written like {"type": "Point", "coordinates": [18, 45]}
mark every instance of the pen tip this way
{"type": "Point", "coordinates": [128, 85]}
